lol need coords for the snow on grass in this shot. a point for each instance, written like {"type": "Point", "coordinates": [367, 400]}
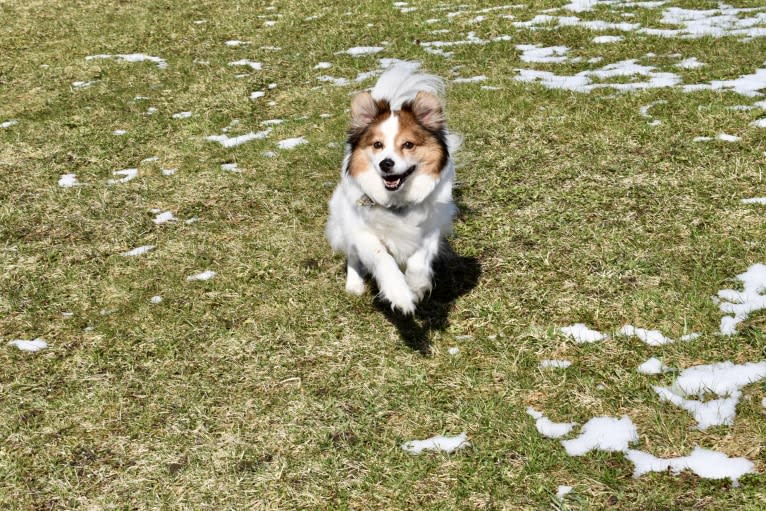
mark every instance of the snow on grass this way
{"type": "Point", "coordinates": [143, 249]}
{"type": "Point", "coordinates": [562, 491]}
{"type": "Point", "coordinates": [7, 124]}
{"type": "Point", "coordinates": [754, 200]}
{"type": "Point", "coordinates": [358, 51]}
{"type": "Point", "coordinates": [290, 143]}
{"type": "Point", "coordinates": [230, 167]}
{"type": "Point", "coordinates": [168, 172]}
{"type": "Point", "coordinates": [548, 428]}
{"type": "Point", "coordinates": [554, 364]}
{"type": "Point", "coordinates": [454, 350]}
{"type": "Point", "coordinates": [759, 123]}
{"type": "Point", "coordinates": [164, 217]}
{"type": "Point", "coordinates": [448, 444]}
{"type": "Point", "coordinates": [119, 133]}
{"type": "Point", "coordinates": [132, 57]}
{"type": "Point", "coordinates": [650, 337]}
{"type": "Point", "coordinates": [740, 304]}
{"type": "Point", "coordinates": [435, 47]}
{"type": "Point", "coordinates": [473, 79]}
{"type": "Point", "coordinates": [724, 379]}
{"type": "Point", "coordinates": [728, 138]}
{"type": "Point", "coordinates": [583, 81]}
{"type": "Point", "coordinates": [227, 141]}
{"type": "Point", "coordinates": [233, 43]}
{"type": "Point", "coordinates": [182, 115]}
{"type": "Point", "coordinates": [205, 275]}
{"type": "Point", "coordinates": [690, 63]}
{"type": "Point", "coordinates": [746, 85]}
{"type": "Point", "coordinates": [582, 334]}
{"type": "Point", "coordinates": [80, 84]}
{"type": "Point", "coordinates": [653, 366]}
{"type": "Point", "coordinates": [32, 346]}
{"type": "Point", "coordinates": [323, 65]}
{"type": "Point", "coordinates": [603, 433]}
{"type": "Point", "coordinates": [537, 53]}
{"type": "Point", "coordinates": [128, 175]}
{"type": "Point", "coordinates": [703, 462]}
{"type": "Point", "coordinates": [607, 39]}
{"type": "Point", "coordinates": [156, 299]}
{"type": "Point", "coordinates": [68, 181]}
{"type": "Point", "coordinates": [255, 66]}
{"type": "Point", "coordinates": [257, 94]}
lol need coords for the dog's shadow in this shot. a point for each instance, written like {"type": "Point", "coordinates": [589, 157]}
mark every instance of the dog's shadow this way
{"type": "Point", "coordinates": [454, 276]}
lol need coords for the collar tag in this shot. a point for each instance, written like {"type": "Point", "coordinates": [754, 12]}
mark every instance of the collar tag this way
{"type": "Point", "coordinates": [365, 202]}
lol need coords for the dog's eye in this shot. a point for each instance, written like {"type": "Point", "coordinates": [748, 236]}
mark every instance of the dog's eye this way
{"type": "Point", "coordinates": [408, 145]}
{"type": "Point", "coordinates": [378, 145]}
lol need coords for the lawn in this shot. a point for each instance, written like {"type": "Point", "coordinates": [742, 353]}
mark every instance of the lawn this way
{"type": "Point", "coordinates": [164, 175]}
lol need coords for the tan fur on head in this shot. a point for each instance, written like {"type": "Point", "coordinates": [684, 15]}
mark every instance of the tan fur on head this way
{"type": "Point", "coordinates": [428, 110]}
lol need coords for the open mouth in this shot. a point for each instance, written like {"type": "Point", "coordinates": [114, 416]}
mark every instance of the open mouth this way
{"type": "Point", "coordinates": [394, 182]}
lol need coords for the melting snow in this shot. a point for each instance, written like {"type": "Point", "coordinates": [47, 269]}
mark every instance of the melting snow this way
{"type": "Point", "coordinates": [119, 132]}
{"type": "Point", "coordinates": [138, 251]}
{"type": "Point", "coordinates": [742, 303]}
{"type": "Point", "coordinates": [548, 428]}
{"type": "Point", "coordinates": [8, 124]}
{"type": "Point", "coordinates": [230, 167]}
{"type": "Point", "coordinates": [182, 115]}
{"type": "Point", "coordinates": [132, 57]}
{"type": "Point", "coordinates": [603, 433]}
{"type": "Point", "coordinates": [582, 334]}
{"type": "Point", "coordinates": [363, 50]}
{"type": "Point", "coordinates": [652, 366]}
{"type": "Point", "coordinates": [650, 337]}
{"type": "Point", "coordinates": [690, 63]}
{"type": "Point", "coordinates": [606, 39]}
{"type": "Point", "coordinates": [205, 275]}
{"type": "Point", "coordinates": [33, 345]}
{"type": "Point", "coordinates": [754, 200]}
{"type": "Point", "coordinates": [562, 491]}
{"type": "Point", "coordinates": [128, 174]}
{"type": "Point", "coordinates": [703, 462]}
{"type": "Point", "coordinates": [156, 299]}
{"type": "Point", "coordinates": [724, 379]}
{"type": "Point", "coordinates": [290, 143]}
{"type": "Point", "coordinates": [165, 217]}
{"type": "Point", "coordinates": [554, 364]}
{"type": "Point", "coordinates": [536, 53]}
{"type": "Point", "coordinates": [473, 79]}
{"type": "Point", "coordinates": [323, 65]}
{"type": "Point", "coordinates": [453, 351]}
{"type": "Point", "coordinates": [728, 138]}
{"type": "Point", "coordinates": [68, 181]}
{"type": "Point", "coordinates": [227, 141]}
{"type": "Point", "coordinates": [256, 66]}
{"type": "Point", "coordinates": [233, 43]}
{"type": "Point", "coordinates": [447, 444]}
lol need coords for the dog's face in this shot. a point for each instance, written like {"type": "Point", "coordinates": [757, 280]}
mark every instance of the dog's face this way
{"type": "Point", "coordinates": [397, 156]}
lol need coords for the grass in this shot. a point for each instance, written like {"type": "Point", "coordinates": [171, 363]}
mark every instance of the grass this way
{"type": "Point", "coordinates": [269, 388]}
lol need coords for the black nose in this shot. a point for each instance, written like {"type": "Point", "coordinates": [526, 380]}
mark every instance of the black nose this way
{"type": "Point", "coordinates": [386, 165]}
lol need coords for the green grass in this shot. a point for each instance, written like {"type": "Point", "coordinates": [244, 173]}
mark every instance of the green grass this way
{"type": "Point", "coordinates": [268, 387]}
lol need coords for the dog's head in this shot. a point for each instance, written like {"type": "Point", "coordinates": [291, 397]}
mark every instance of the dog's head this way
{"type": "Point", "coordinates": [397, 157]}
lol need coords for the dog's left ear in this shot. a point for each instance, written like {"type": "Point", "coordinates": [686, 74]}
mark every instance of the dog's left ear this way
{"type": "Point", "coordinates": [428, 110]}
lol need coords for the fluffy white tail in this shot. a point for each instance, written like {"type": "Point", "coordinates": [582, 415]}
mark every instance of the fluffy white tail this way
{"type": "Point", "coordinates": [402, 82]}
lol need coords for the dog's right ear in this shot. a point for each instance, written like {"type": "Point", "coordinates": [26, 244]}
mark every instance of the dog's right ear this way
{"type": "Point", "coordinates": [364, 109]}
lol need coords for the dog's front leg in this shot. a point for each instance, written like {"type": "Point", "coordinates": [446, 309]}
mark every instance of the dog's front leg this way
{"type": "Point", "coordinates": [393, 286]}
{"type": "Point", "coordinates": [419, 273]}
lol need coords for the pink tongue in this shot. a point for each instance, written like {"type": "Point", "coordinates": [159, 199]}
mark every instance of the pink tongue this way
{"type": "Point", "coordinates": [392, 184]}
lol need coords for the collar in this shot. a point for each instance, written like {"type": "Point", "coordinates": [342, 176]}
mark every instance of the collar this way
{"type": "Point", "coordinates": [366, 202]}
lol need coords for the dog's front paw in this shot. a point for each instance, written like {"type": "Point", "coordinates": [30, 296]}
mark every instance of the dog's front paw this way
{"type": "Point", "coordinates": [401, 298]}
{"type": "Point", "coordinates": [419, 282]}
{"type": "Point", "coordinates": [354, 285]}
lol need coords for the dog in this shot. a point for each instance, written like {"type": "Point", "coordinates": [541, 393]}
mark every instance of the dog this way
{"type": "Point", "coordinates": [393, 206]}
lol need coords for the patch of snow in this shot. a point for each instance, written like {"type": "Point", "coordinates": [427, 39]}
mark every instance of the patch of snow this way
{"type": "Point", "coordinates": [138, 251]}
{"type": "Point", "coordinates": [607, 39]}
{"type": "Point", "coordinates": [562, 491]}
{"type": "Point", "coordinates": [650, 337]}
{"type": "Point", "coordinates": [119, 132]}
{"type": "Point", "coordinates": [652, 366]}
{"type": "Point", "coordinates": [205, 275]}
{"type": "Point", "coordinates": [129, 174]}
{"type": "Point", "coordinates": [230, 167]}
{"type": "Point", "coordinates": [150, 159]}
{"type": "Point", "coordinates": [80, 84]}
{"type": "Point", "coordinates": [554, 364]}
{"type": "Point", "coordinates": [728, 138]}
{"type": "Point", "coordinates": [182, 115]}
{"type": "Point", "coordinates": [703, 462]}
{"type": "Point", "coordinates": [8, 124]}
{"type": "Point", "coordinates": [582, 334]}
{"type": "Point", "coordinates": [754, 200]}
{"type": "Point", "coordinates": [168, 172]}
{"type": "Point", "coordinates": [603, 433]}
{"type": "Point", "coordinates": [257, 94]}
{"type": "Point", "coordinates": [256, 66]}
{"type": "Point", "coordinates": [151, 111]}
{"type": "Point", "coordinates": [690, 337]}
{"type": "Point", "coordinates": [32, 346]}
{"type": "Point", "coordinates": [536, 53]}
{"type": "Point", "coordinates": [132, 57]}
{"type": "Point", "coordinates": [164, 217]}
{"type": "Point", "coordinates": [548, 428]}
{"type": "Point", "coordinates": [323, 65]}
{"type": "Point", "coordinates": [448, 444]}
{"type": "Point", "coordinates": [290, 143]}
{"type": "Point", "coordinates": [702, 139]}
{"type": "Point", "coordinates": [234, 42]}
{"type": "Point", "coordinates": [156, 299]}
{"type": "Point", "coordinates": [690, 63]}
{"type": "Point", "coordinates": [227, 141]}
{"type": "Point", "coordinates": [68, 181]}
{"type": "Point", "coordinates": [724, 379]}
{"type": "Point", "coordinates": [453, 350]}
{"type": "Point", "coordinates": [759, 123]}
{"type": "Point", "coordinates": [358, 51]}
{"type": "Point", "coordinates": [473, 79]}
{"type": "Point", "coordinates": [743, 303]}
